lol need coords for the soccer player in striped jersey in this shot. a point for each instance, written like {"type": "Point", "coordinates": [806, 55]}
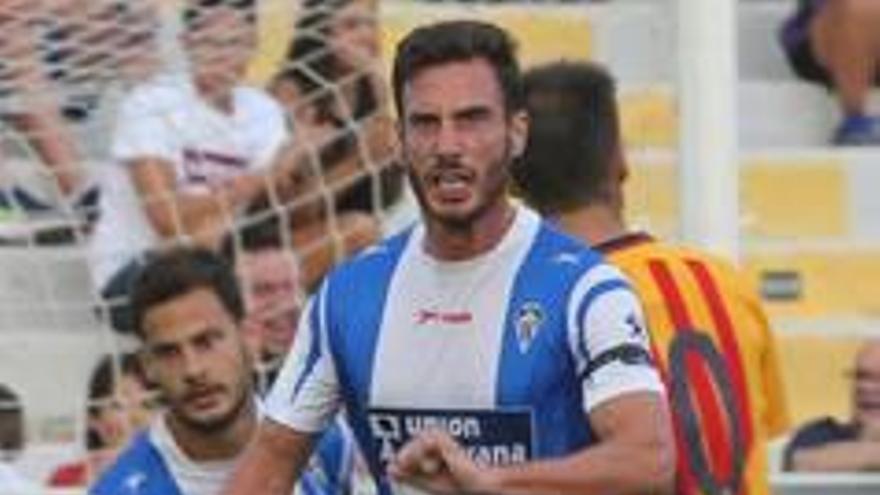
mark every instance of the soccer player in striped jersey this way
{"type": "Point", "coordinates": [481, 351]}
{"type": "Point", "coordinates": [710, 335]}
{"type": "Point", "coordinates": [188, 311]}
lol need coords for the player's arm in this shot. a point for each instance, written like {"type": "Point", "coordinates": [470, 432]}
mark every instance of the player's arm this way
{"type": "Point", "coordinates": [634, 455]}
{"type": "Point", "coordinates": [849, 456]}
{"type": "Point", "coordinates": [624, 403]}
{"type": "Point", "coordinates": [272, 462]}
{"type": "Point", "coordinates": [174, 213]}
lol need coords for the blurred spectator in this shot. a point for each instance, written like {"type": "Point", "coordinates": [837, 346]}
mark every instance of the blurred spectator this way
{"type": "Point", "coordinates": [269, 274]}
{"type": "Point", "coordinates": [11, 443]}
{"type": "Point", "coordinates": [837, 43]}
{"type": "Point", "coordinates": [711, 339]}
{"type": "Point", "coordinates": [188, 315]}
{"type": "Point", "coordinates": [827, 444]}
{"type": "Point", "coordinates": [11, 424]}
{"type": "Point", "coordinates": [190, 152]}
{"type": "Point", "coordinates": [57, 61]}
{"type": "Point", "coordinates": [120, 403]}
{"type": "Point", "coordinates": [331, 85]}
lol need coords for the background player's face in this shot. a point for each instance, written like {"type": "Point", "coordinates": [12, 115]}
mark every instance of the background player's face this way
{"type": "Point", "coordinates": [354, 35]}
{"type": "Point", "coordinates": [867, 391]}
{"type": "Point", "coordinates": [273, 295]}
{"type": "Point", "coordinates": [457, 140]}
{"type": "Point", "coordinates": [220, 44]}
{"type": "Point", "coordinates": [195, 355]}
{"type": "Point", "coordinates": [128, 409]}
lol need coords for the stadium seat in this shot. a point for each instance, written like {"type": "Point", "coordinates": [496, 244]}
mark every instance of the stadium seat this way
{"type": "Point", "coordinates": [783, 196]}
{"type": "Point", "coordinates": [814, 369]}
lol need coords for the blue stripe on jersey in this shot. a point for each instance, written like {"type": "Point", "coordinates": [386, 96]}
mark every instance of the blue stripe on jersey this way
{"type": "Point", "coordinates": [315, 347]}
{"type": "Point", "coordinates": [354, 316]}
{"type": "Point", "coordinates": [139, 470]}
{"type": "Point", "coordinates": [590, 297]}
{"type": "Point", "coordinates": [537, 369]}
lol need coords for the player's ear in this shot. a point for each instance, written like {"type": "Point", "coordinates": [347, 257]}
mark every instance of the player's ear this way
{"type": "Point", "coordinates": [518, 133]}
{"type": "Point", "coordinates": [146, 363]}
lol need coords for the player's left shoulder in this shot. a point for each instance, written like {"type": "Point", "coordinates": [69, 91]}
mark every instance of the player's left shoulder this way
{"type": "Point", "coordinates": [139, 470]}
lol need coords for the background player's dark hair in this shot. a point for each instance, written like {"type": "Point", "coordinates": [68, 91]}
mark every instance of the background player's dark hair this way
{"type": "Point", "coordinates": [171, 274]}
{"type": "Point", "coordinates": [574, 136]}
{"type": "Point", "coordinates": [102, 383]}
{"type": "Point", "coordinates": [102, 387]}
{"type": "Point", "coordinates": [261, 231]}
{"type": "Point", "coordinates": [195, 9]}
{"type": "Point", "coordinates": [455, 41]}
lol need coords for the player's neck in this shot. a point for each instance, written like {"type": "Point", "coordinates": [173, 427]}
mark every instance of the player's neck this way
{"type": "Point", "coordinates": [220, 445]}
{"type": "Point", "coordinates": [449, 242]}
{"type": "Point", "coordinates": [593, 224]}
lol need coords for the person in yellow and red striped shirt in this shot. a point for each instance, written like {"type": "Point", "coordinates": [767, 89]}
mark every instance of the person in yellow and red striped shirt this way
{"type": "Point", "coordinates": [710, 336]}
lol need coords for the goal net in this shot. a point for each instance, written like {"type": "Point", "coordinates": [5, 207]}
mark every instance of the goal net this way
{"type": "Point", "coordinates": [94, 92]}
{"type": "Point", "coordinates": [128, 124]}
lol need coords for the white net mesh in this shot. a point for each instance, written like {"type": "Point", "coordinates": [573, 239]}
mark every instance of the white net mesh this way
{"type": "Point", "coordinates": [130, 100]}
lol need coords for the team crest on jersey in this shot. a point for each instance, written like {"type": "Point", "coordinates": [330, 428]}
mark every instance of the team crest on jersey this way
{"type": "Point", "coordinates": [529, 319]}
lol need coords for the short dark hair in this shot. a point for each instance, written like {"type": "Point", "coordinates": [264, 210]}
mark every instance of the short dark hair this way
{"type": "Point", "coordinates": [454, 41]}
{"type": "Point", "coordinates": [194, 9]}
{"type": "Point", "coordinates": [171, 274]}
{"type": "Point", "coordinates": [104, 379]}
{"type": "Point", "coordinates": [574, 136]}
{"type": "Point", "coordinates": [261, 231]}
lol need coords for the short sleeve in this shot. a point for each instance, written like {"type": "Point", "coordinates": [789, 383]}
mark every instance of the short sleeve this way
{"type": "Point", "coordinates": [266, 127]}
{"type": "Point", "coordinates": [305, 395]}
{"type": "Point", "coordinates": [144, 128]}
{"type": "Point", "coordinates": [609, 338]}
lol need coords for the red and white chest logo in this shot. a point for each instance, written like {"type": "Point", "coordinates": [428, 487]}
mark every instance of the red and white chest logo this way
{"type": "Point", "coordinates": [433, 317]}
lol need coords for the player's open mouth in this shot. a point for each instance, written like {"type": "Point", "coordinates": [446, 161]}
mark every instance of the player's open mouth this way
{"type": "Point", "coordinates": [451, 184]}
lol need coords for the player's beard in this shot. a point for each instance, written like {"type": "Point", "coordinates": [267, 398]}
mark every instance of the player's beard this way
{"type": "Point", "coordinates": [490, 191]}
{"type": "Point", "coordinates": [242, 405]}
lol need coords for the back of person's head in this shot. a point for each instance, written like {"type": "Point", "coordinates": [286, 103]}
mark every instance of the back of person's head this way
{"type": "Point", "coordinates": [11, 423]}
{"type": "Point", "coordinates": [866, 389]}
{"type": "Point", "coordinates": [169, 275]}
{"type": "Point", "coordinates": [459, 41]}
{"type": "Point", "coordinates": [574, 137]}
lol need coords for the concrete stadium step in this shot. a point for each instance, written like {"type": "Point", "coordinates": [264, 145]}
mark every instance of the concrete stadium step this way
{"type": "Point", "coordinates": [45, 289]}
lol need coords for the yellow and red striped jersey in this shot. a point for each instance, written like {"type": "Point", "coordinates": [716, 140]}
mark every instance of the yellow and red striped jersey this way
{"type": "Point", "coordinates": [718, 358]}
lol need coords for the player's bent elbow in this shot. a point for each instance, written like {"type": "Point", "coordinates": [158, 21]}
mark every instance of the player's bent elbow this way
{"type": "Point", "coordinates": [662, 470]}
{"type": "Point", "coordinates": [657, 463]}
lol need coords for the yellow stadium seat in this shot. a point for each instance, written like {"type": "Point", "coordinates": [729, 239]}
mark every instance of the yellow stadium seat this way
{"type": "Point", "coordinates": [833, 281]}
{"type": "Point", "coordinates": [788, 198]}
{"type": "Point", "coordinates": [538, 27]}
{"type": "Point", "coordinates": [648, 117]}
{"type": "Point", "coordinates": [814, 370]}
{"type": "Point", "coordinates": [806, 198]}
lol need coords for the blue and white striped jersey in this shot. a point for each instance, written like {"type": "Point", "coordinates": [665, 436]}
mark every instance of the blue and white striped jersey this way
{"type": "Point", "coordinates": [508, 351]}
